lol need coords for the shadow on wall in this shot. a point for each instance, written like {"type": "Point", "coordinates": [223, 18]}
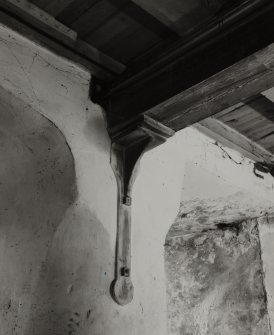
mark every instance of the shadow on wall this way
{"type": "Point", "coordinates": [215, 281]}
{"type": "Point", "coordinates": [73, 279]}
{"type": "Point", "coordinates": [48, 241]}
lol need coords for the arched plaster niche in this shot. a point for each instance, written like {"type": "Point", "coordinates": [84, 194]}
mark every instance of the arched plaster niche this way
{"type": "Point", "coordinates": [47, 237]}
{"type": "Point", "coordinates": [214, 272]}
{"type": "Point", "coordinates": [37, 186]}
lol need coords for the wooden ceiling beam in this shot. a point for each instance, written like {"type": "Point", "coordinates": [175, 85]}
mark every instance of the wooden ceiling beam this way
{"type": "Point", "coordinates": [238, 82]}
{"type": "Point", "coordinates": [214, 70]}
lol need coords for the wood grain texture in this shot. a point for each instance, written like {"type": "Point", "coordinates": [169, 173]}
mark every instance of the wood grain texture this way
{"type": "Point", "coordinates": [188, 63]}
{"type": "Point", "coordinates": [262, 134]}
{"type": "Point", "coordinates": [257, 128]}
{"type": "Point", "coordinates": [254, 120]}
{"type": "Point", "coordinates": [184, 15]}
{"type": "Point", "coordinates": [263, 106]}
{"type": "Point", "coordinates": [244, 79]}
{"type": "Point", "coordinates": [268, 142]}
{"type": "Point", "coordinates": [129, 142]}
{"type": "Point", "coordinates": [245, 113]}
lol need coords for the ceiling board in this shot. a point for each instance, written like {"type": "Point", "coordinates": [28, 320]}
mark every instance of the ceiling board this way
{"type": "Point", "coordinates": [128, 31]}
{"type": "Point", "coordinates": [126, 48]}
{"type": "Point", "coordinates": [268, 142]}
{"type": "Point", "coordinates": [263, 106]}
{"type": "Point", "coordinates": [233, 115]}
{"type": "Point", "coordinates": [182, 16]}
{"type": "Point", "coordinates": [254, 120]}
{"type": "Point", "coordinates": [96, 16]}
{"type": "Point", "coordinates": [257, 129]}
{"type": "Point", "coordinates": [260, 132]}
{"type": "Point", "coordinates": [74, 10]}
{"type": "Point", "coordinates": [116, 27]}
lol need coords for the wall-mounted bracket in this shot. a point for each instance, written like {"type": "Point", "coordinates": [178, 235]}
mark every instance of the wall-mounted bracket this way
{"type": "Point", "coordinates": [129, 141]}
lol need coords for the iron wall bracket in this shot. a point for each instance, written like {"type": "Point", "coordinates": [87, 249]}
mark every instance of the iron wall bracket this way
{"type": "Point", "coordinates": [129, 142]}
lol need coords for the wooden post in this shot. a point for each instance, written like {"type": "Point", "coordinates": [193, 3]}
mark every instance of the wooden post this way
{"type": "Point", "coordinates": [129, 142]}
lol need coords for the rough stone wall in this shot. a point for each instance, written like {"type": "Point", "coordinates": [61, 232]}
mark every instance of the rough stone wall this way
{"type": "Point", "coordinates": [215, 282]}
{"type": "Point", "coordinates": [266, 228]}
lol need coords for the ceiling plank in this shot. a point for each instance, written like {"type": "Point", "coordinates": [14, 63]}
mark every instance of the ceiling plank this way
{"type": "Point", "coordinates": [261, 132]}
{"type": "Point", "coordinates": [245, 112]}
{"type": "Point", "coordinates": [188, 15]}
{"type": "Point", "coordinates": [127, 46]}
{"type": "Point", "coordinates": [112, 36]}
{"type": "Point", "coordinates": [114, 28]}
{"type": "Point", "coordinates": [73, 11]}
{"type": "Point", "coordinates": [57, 6]}
{"type": "Point", "coordinates": [138, 14]}
{"type": "Point", "coordinates": [247, 122]}
{"type": "Point", "coordinates": [268, 142]}
{"type": "Point", "coordinates": [96, 16]}
{"type": "Point", "coordinates": [263, 106]}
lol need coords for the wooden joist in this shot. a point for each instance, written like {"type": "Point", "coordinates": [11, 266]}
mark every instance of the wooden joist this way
{"type": "Point", "coordinates": [200, 77]}
{"type": "Point", "coordinates": [238, 82]}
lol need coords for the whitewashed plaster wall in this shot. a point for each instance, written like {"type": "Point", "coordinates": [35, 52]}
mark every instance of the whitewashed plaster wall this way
{"type": "Point", "coordinates": [188, 167]}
